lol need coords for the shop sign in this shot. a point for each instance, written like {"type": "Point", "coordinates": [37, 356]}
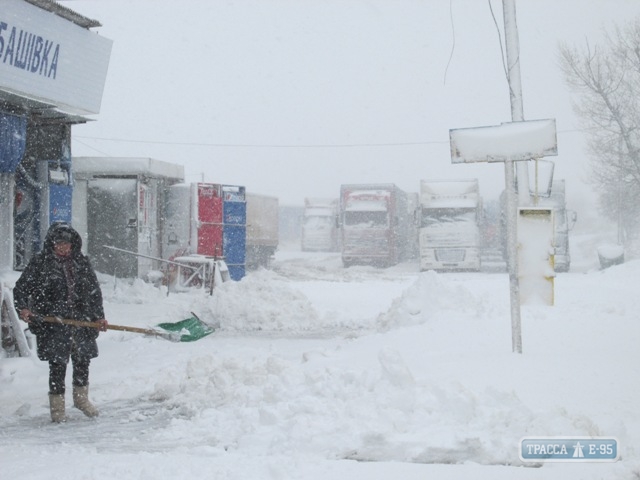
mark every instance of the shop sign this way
{"type": "Point", "coordinates": [49, 59]}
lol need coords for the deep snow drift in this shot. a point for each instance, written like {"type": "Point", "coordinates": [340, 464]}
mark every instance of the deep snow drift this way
{"type": "Point", "coordinates": [322, 372]}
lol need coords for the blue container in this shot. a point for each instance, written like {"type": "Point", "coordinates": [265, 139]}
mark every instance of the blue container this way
{"type": "Point", "coordinates": [234, 230]}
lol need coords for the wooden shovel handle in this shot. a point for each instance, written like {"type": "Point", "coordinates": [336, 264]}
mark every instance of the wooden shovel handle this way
{"type": "Point", "coordinates": [80, 323]}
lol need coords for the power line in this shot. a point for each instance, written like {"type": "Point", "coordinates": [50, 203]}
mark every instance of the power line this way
{"type": "Point", "coordinates": [264, 145]}
{"type": "Point", "coordinates": [89, 146]}
{"type": "Point", "coordinates": [276, 145]}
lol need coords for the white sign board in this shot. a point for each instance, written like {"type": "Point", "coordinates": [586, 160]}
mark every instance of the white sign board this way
{"type": "Point", "coordinates": [508, 141]}
{"type": "Point", "coordinates": [47, 58]}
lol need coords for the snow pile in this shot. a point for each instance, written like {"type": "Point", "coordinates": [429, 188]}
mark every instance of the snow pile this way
{"type": "Point", "coordinates": [261, 302]}
{"type": "Point", "coordinates": [274, 406]}
{"type": "Point", "coordinates": [430, 297]}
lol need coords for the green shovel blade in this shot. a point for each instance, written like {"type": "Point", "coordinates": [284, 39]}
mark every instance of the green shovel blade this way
{"type": "Point", "coordinates": [191, 329]}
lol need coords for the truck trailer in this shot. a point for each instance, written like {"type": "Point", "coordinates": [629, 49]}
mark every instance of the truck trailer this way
{"type": "Point", "coordinates": [262, 230]}
{"type": "Point", "coordinates": [450, 218]}
{"type": "Point", "coordinates": [375, 224]}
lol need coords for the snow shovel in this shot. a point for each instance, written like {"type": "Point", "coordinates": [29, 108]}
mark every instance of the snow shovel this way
{"type": "Point", "coordinates": [187, 330]}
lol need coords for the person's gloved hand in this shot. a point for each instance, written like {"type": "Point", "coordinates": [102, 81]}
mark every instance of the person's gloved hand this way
{"type": "Point", "coordinates": [26, 315]}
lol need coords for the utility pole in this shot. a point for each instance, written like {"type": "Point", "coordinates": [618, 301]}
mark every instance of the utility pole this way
{"type": "Point", "coordinates": [517, 115]}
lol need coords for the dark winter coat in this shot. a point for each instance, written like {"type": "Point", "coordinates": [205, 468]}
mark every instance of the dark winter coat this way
{"type": "Point", "coordinates": [43, 288]}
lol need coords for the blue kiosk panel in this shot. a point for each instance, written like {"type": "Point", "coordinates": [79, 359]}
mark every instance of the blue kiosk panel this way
{"type": "Point", "coordinates": [234, 233]}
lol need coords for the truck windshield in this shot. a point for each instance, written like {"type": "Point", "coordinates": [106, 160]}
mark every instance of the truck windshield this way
{"type": "Point", "coordinates": [318, 222]}
{"type": "Point", "coordinates": [366, 219]}
{"type": "Point", "coordinates": [431, 217]}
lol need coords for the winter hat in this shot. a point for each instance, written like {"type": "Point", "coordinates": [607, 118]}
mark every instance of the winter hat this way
{"type": "Point", "coordinates": [61, 232]}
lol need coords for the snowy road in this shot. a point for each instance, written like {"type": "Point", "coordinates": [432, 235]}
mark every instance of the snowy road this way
{"type": "Point", "coordinates": [321, 372]}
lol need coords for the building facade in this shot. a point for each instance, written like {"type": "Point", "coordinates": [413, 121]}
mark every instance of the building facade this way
{"type": "Point", "coordinates": [53, 69]}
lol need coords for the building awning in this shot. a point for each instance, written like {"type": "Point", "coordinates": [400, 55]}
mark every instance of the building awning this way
{"type": "Point", "coordinates": [38, 111]}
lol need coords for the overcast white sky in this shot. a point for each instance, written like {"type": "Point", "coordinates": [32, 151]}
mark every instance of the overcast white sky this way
{"type": "Point", "coordinates": [292, 98]}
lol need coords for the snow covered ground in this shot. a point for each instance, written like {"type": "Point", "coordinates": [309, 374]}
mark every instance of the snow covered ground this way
{"type": "Point", "coordinates": [320, 372]}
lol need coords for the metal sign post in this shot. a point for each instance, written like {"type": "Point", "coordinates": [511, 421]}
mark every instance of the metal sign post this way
{"type": "Point", "coordinates": [512, 256]}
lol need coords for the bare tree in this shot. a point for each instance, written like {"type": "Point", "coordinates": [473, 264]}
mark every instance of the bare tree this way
{"type": "Point", "coordinates": [607, 80]}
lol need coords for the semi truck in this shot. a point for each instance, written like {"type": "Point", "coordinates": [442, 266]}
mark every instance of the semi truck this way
{"type": "Point", "coordinates": [563, 219]}
{"type": "Point", "coordinates": [375, 224]}
{"type": "Point", "coordinates": [320, 225]}
{"type": "Point", "coordinates": [262, 230]}
{"type": "Point", "coordinates": [450, 219]}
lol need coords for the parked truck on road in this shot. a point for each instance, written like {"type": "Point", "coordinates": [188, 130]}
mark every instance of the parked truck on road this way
{"type": "Point", "coordinates": [450, 218]}
{"type": "Point", "coordinates": [262, 230]}
{"type": "Point", "coordinates": [375, 224]}
{"type": "Point", "coordinates": [320, 225]}
{"type": "Point", "coordinates": [563, 221]}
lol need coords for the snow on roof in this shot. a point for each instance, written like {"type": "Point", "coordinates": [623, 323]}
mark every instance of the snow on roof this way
{"type": "Point", "coordinates": [367, 200]}
{"type": "Point", "coordinates": [87, 166]}
{"type": "Point", "coordinates": [66, 13]}
{"type": "Point", "coordinates": [449, 193]}
{"type": "Point", "coordinates": [370, 193]}
{"type": "Point", "coordinates": [320, 202]}
{"type": "Point", "coordinates": [449, 187]}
